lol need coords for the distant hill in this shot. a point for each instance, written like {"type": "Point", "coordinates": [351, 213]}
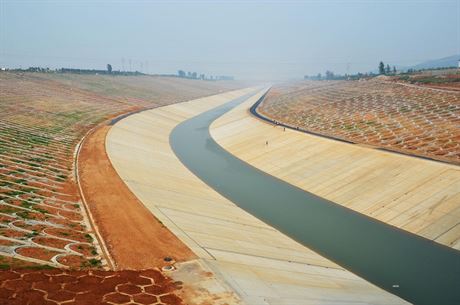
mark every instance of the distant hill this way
{"type": "Point", "coordinates": [450, 61]}
{"type": "Point", "coordinates": [445, 62]}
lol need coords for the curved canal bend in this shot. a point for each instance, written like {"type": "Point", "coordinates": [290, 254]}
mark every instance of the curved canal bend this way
{"type": "Point", "coordinates": [426, 272]}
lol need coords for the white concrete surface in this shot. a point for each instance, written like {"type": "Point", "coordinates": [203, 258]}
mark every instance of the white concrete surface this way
{"type": "Point", "coordinates": [252, 262]}
{"type": "Point", "coordinates": [417, 195]}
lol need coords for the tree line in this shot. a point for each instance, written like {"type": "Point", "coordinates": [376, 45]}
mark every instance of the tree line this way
{"type": "Point", "coordinates": [76, 71]}
{"type": "Point", "coordinates": [194, 75]}
{"type": "Point", "coordinates": [329, 75]}
{"type": "Point", "coordinates": [109, 71]}
{"type": "Point", "coordinates": [386, 70]}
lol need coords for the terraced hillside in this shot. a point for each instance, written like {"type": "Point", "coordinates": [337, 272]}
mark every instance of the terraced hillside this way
{"type": "Point", "coordinates": [142, 90]}
{"type": "Point", "coordinates": [404, 118]}
{"type": "Point", "coordinates": [42, 120]}
{"type": "Point", "coordinates": [447, 79]}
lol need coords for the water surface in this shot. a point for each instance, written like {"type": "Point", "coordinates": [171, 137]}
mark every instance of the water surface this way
{"type": "Point", "coordinates": [426, 272]}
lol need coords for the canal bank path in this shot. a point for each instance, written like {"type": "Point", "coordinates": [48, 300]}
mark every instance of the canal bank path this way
{"type": "Point", "coordinates": [246, 255]}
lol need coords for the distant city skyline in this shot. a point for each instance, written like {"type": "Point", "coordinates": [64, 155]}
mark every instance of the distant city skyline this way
{"type": "Point", "coordinates": [247, 39]}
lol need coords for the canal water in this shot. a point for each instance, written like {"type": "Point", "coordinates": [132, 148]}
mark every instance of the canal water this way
{"type": "Point", "coordinates": [409, 266]}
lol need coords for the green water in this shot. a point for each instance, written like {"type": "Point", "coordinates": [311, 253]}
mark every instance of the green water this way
{"type": "Point", "coordinates": [426, 272]}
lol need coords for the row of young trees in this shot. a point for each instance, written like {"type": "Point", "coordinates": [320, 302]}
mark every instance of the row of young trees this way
{"type": "Point", "coordinates": [194, 75]}
{"type": "Point", "coordinates": [109, 71]}
{"type": "Point", "coordinates": [329, 75]}
{"type": "Point", "coordinates": [74, 70]}
{"type": "Point", "coordinates": [386, 70]}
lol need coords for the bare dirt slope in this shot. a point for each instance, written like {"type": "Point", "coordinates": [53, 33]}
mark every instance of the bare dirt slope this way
{"type": "Point", "coordinates": [134, 237]}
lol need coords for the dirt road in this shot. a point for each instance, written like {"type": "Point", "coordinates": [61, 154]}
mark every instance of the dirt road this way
{"type": "Point", "coordinates": [134, 237]}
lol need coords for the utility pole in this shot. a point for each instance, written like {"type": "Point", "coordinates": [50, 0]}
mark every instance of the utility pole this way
{"type": "Point", "coordinates": [458, 66]}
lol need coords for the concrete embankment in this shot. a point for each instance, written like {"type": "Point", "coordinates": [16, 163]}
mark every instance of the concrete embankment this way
{"type": "Point", "coordinates": [242, 260]}
{"type": "Point", "coordinates": [416, 195]}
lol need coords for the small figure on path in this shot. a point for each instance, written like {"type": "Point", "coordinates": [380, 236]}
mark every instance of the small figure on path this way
{"type": "Point", "coordinates": [266, 142]}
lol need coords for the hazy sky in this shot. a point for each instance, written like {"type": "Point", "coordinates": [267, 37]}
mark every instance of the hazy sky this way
{"type": "Point", "coordinates": [247, 39]}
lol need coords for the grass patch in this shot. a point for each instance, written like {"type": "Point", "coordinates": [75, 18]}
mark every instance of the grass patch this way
{"type": "Point", "coordinates": [38, 209]}
{"type": "Point", "coordinates": [39, 140]}
{"type": "Point", "coordinates": [33, 234]}
{"type": "Point", "coordinates": [348, 127]}
{"type": "Point", "coordinates": [23, 214]}
{"type": "Point", "coordinates": [7, 209]}
{"type": "Point", "coordinates": [89, 238]}
{"type": "Point", "coordinates": [75, 115]}
{"type": "Point", "coordinates": [38, 160]}
{"type": "Point", "coordinates": [26, 204]}
{"type": "Point", "coordinates": [27, 190]}
{"type": "Point", "coordinates": [14, 263]}
{"type": "Point", "coordinates": [4, 266]}
{"type": "Point", "coordinates": [404, 109]}
{"type": "Point", "coordinates": [40, 267]}
{"type": "Point", "coordinates": [14, 193]}
{"type": "Point", "coordinates": [5, 183]}
{"type": "Point", "coordinates": [370, 123]}
{"type": "Point", "coordinates": [92, 263]}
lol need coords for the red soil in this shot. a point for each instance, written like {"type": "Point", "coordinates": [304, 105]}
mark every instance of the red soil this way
{"type": "Point", "coordinates": [454, 86]}
{"type": "Point", "coordinates": [39, 253]}
{"type": "Point", "coordinates": [4, 242]}
{"type": "Point", "coordinates": [50, 242]}
{"type": "Point", "coordinates": [85, 287]}
{"type": "Point", "coordinates": [12, 233]}
{"type": "Point", "coordinates": [84, 249]}
{"type": "Point", "coordinates": [134, 237]}
{"type": "Point", "coordinates": [73, 260]}
{"type": "Point", "coordinates": [69, 234]}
